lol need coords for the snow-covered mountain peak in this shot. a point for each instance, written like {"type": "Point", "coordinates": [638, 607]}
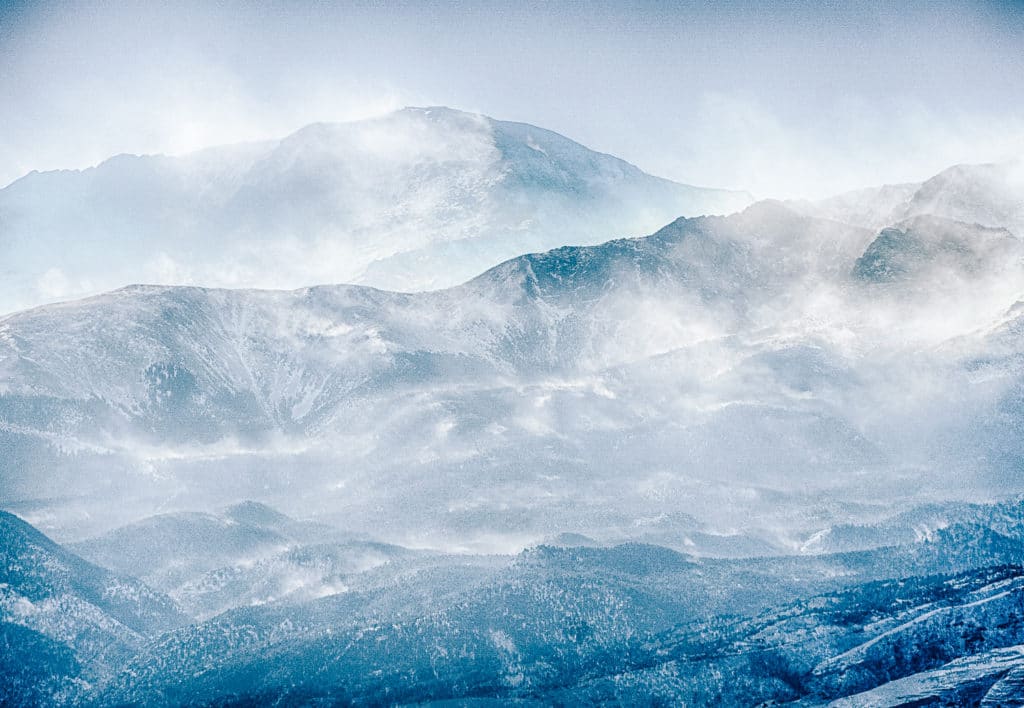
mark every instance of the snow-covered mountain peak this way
{"type": "Point", "coordinates": [990, 194]}
{"type": "Point", "coordinates": [416, 199]}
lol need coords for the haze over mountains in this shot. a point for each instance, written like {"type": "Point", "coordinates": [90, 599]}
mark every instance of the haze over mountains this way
{"type": "Point", "coordinates": [418, 199]}
{"type": "Point", "coordinates": [610, 390]}
{"type": "Point", "coordinates": [765, 456]}
{"type": "Point", "coordinates": [988, 195]}
{"type": "Point", "coordinates": [935, 618]}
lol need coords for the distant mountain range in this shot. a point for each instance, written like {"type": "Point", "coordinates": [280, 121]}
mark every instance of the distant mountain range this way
{"type": "Point", "coordinates": [65, 622]}
{"type": "Point", "coordinates": [989, 195]}
{"type": "Point", "coordinates": [609, 390]}
{"type": "Point", "coordinates": [937, 618]}
{"type": "Point", "coordinates": [767, 457]}
{"type": "Point", "coordinates": [248, 554]}
{"type": "Point", "coordinates": [418, 199]}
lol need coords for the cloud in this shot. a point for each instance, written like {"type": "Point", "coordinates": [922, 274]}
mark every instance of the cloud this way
{"type": "Point", "coordinates": [54, 284]}
{"type": "Point", "coordinates": [795, 98]}
{"type": "Point", "coordinates": [737, 140]}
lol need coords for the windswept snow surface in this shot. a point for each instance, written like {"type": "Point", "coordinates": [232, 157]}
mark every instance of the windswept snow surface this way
{"type": "Point", "coordinates": [762, 458]}
{"type": "Point", "coordinates": [987, 194]}
{"type": "Point", "coordinates": [728, 383]}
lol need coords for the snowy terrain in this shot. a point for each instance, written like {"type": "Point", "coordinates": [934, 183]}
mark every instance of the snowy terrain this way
{"type": "Point", "coordinates": [932, 619]}
{"type": "Point", "coordinates": [421, 198]}
{"type": "Point", "coordinates": [625, 391]}
{"type": "Point", "coordinates": [772, 456]}
{"type": "Point", "coordinates": [989, 195]}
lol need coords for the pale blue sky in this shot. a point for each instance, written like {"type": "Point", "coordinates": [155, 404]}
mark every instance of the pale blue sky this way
{"type": "Point", "coordinates": [784, 98]}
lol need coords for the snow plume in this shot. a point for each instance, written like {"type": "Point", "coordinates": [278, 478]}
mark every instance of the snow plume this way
{"type": "Point", "coordinates": [738, 138]}
{"type": "Point", "coordinates": [418, 199]}
{"type": "Point", "coordinates": [759, 376]}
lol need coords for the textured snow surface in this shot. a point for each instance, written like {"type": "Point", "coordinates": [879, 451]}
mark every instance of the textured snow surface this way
{"type": "Point", "coordinates": [949, 683]}
{"type": "Point", "coordinates": [988, 195]}
{"type": "Point", "coordinates": [625, 391]}
{"type": "Point", "coordinates": [630, 624]}
{"type": "Point", "coordinates": [764, 458]}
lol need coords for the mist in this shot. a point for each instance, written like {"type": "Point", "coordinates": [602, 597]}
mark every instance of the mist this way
{"type": "Point", "coordinates": [746, 96]}
{"type": "Point", "coordinates": [539, 353]}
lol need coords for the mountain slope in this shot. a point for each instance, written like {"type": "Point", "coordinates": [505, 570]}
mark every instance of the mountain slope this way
{"type": "Point", "coordinates": [421, 198]}
{"type": "Point", "coordinates": [67, 618]}
{"type": "Point", "coordinates": [916, 641]}
{"type": "Point", "coordinates": [246, 555]}
{"type": "Point", "coordinates": [989, 195]}
{"type": "Point", "coordinates": [871, 207]}
{"type": "Point", "coordinates": [586, 626]}
{"type": "Point", "coordinates": [36, 670]}
{"type": "Point", "coordinates": [610, 390]}
{"type": "Point", "coordinates": [562, 625]}
{"type": "Point", "coordinates": [186, 376]}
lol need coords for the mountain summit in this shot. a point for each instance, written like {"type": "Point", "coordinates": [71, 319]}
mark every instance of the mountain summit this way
{"type": "Point", "coordinates": [421, 198]}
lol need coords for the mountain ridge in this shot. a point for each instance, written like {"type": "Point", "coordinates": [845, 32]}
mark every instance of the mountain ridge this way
{"type": "Point", "coordinates": [416, 199]}
{"type": "Point", "coordinates": [668, 356]}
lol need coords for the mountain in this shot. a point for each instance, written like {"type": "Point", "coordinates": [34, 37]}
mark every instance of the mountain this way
{"type": "Point", "coordinates": [325, 378]}
{"type": "Point", "coordinates": [549, 625]}
{"type": "Point", "coordinates": [417, 199]}
{"type": "Point", "coordinates": [925, 248]}
{"type": "Point", "coordinates": [65, 622]}
{"type": "Point", "coordinates": [625, 391]}
{"type": "Point", "coordinates": [592, 626]}
{"type": "Point", "coordinates": [937, 640]}
{"type": "Point", "coordinates": [921, 523]}
{"type": "Point", "coordinates": [164, 549]}
{"type": "Point", "coordinates": [777, 453]}
{"type": "Point", "coordinates": [871, 207]}
{"type": "Point", "coordinates": [248, 554]}
{"type": "Point", "coordinates": [989, 195]}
